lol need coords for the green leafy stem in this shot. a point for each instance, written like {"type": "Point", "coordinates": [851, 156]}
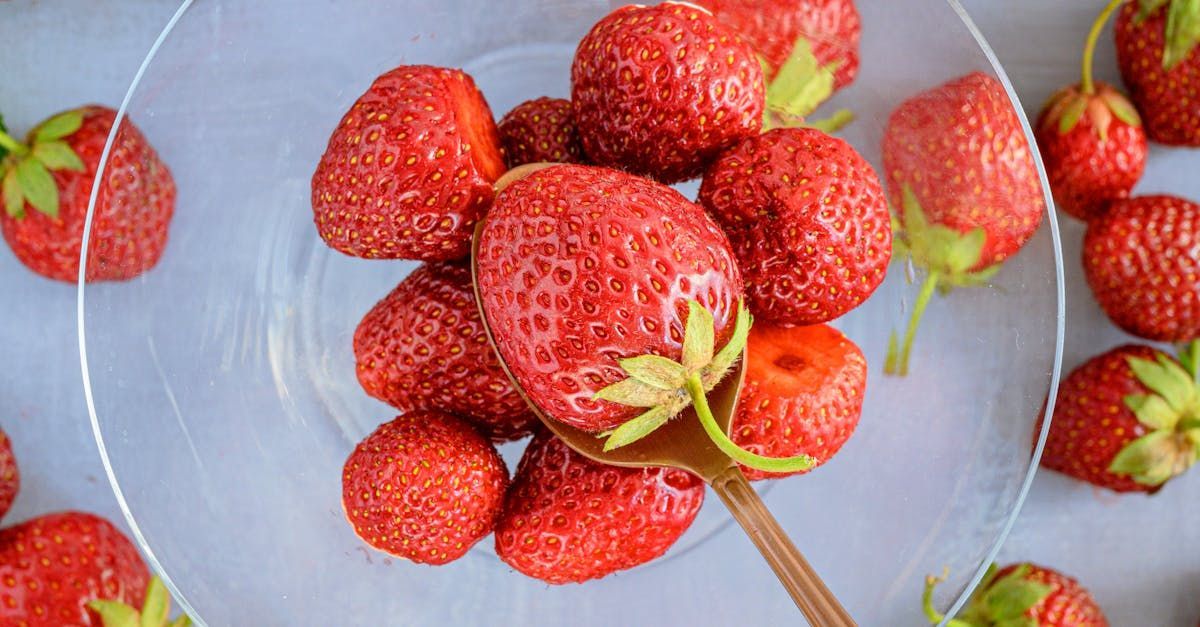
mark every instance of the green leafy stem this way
{"type": "Point", "coordinates": [155, 612]}
{"type": "Point", "coordinates": [25, 170]}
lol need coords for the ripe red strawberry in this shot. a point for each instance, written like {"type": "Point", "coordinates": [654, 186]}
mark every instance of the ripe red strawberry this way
{"type": "Point", "coordinates": [1140, 259]}
{"type": "Point", "coordinates": [409, 170]}
{"type": "Point", "coordinates": [1160, 62]}
{"type": "Point", "coordinates": [424, 347]}
{"type": "Point", "coordinates": [10, 475]}
{"type": "Point", "coordinates": [1127, 420]}
{"type": "Point", "coordinates": [47, 183]}
{"type": "Point", "coordinates": [803, 393]}
{"type": "Point", "coordinates": [568, 519]}
{"type": "Point", "coordinates": [51, 567]}
{"type": "Point", "coordinates": [425, 486]}
{"type": "Point", "coordinates": [661, 91]}
{"type": "Point", "coordinates": [541, 130]}
{"type": "Point", "coordinates": [808, 220]}
{"type": "Point", "coordinates": [1023, 594]}
{"type": "Point", "coordinates": [962, 178]}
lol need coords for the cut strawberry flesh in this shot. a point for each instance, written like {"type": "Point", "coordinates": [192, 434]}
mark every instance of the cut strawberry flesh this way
{"type": "Point", "coordinates": [478, 127]}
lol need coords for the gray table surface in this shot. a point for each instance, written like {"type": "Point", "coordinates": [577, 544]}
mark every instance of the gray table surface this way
{"type": "Point", "coordinates": [1140, 556]}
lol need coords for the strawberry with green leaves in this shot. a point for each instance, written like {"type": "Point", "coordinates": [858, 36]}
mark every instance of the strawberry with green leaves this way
{"type": "Point", "coordinates": [1022, 595]}
{"type": "Point", "coordinates": [1158, 50]}
{"type": "Point", "coordinates": [155, 611]}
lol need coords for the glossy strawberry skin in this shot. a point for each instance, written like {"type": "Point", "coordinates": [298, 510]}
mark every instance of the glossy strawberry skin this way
{"type": "Point", "coordinates": [10, 475]}
{"type": "Point", "coordinates": [1067, 605]}
{"type": "Point", "coordinates": [409, 170]}
{"type": "Point", "coordinates": [568, 519]}
{"type": "Point", "coordinates": [581, 266]}
{"type": "Point", "coordinates": [808, 220]}
{"type": "Point", "coordinates": [133, 210]}
{"type": "Point", "coordinates": [1169, 100]}
{"type": "Point", "coordinates": [660, 91]}
{"type": "Point", "coordinates": [1091, 421]}
{"type": "Point", "coordinates": [962, 150]}
{"type": "Point", "coordinates": [803, 393]}
{"type": "Point", "coordinates": [425, 487]}
{"type": "Point", "coordinates": [540, 131]}
{"type": "Point", "coordinates": [1086, 170]}
{"type": "Point", "coordinates": [1140, 259]}
{"type": "Point", "coordinates": [424, 347]}
{"type": "Point", "coordinates": [833, 27]}
{"type": "Point", "coordinates": [53, 565]}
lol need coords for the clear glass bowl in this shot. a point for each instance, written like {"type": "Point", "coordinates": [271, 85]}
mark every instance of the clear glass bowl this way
{"type": "Point", "coordinates": [222, 388]}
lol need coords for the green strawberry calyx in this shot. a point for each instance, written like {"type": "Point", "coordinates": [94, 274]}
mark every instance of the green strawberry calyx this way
{"type": "Point", "coordinates": [1002, 602]}
{"type": "Point", "coordinates": [1171, 414]}
{"type": "Point", "coordinates": [155, 612]}
{"type": "Point", "coordinates": [1182, 30]}
{"type": "Point", "coordinates": [25, 168]}
{"type": "Point", "coordinates": [664, 388]}
{"type": "Point", "coordinates": [798, 89]}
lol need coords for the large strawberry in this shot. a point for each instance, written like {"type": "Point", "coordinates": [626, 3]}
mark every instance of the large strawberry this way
{"type": "Point", "coordinates": [568, 519]}
{"type": "Point", "coordinates": [662, 90]}
{"type": "Point", "coordinates": [1022, 595]}
{"type": "Point", "coordinates": [51, 567]}
{"type": "Point", "coordinates": [425, 486]}
{"type": "Point", "coordinates": [155, 611]}
{"type": "Point", "coordinates": [47, 183]}
{"type": "Point", "coordinates": [540, 130]}
{"type": "Point", "coordinates": [803, 393]}
{"type": "Point", "coordinates": [424, 347]}
{"type": "Point", "coordinates": [1141, 260]}
{"type": "Point", "coordinates": [1092, 140]}
{"type": "Point", "coordinates": [409, 170]}
{"type": "Point", "coordinates": [808, 220]}
{"type": "Point", "coordinates": [962, 179]}
{"type": "Point", "coordinates": [1160, 62]}
{"type": "Point", "coordinates": [1127, 420]}
{"type": "Point", "coordinates": [10, 474]}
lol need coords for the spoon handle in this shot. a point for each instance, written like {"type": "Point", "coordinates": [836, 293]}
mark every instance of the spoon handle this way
{"type": "Point", "coordinates": [811, 595]}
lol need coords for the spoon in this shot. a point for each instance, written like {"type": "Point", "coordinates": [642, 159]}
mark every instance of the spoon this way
{"type": "Point", "coordinates": [682, 443]}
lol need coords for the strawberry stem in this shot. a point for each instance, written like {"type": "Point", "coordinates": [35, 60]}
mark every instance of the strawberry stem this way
{"type": "Point", "coordinates": [12, 145]}
{"type": "Point", "coordinates": [935, 617]}
{"type": "Point", "coordinates": [898, 364]}
{"type": "Point", "coordinates": [799, 463]}
{"type": "Point", "coordinates": [1089, 50]}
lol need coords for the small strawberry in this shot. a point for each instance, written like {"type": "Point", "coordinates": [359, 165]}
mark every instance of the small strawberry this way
{"type": "Point", "coordinates": [808, 220]}
{"type": "Point", "coordinates": [425, 487]}
{"type": "Point", "coordinates": [568, 519]}
{"type": "Point", "coordinates": [1092, 140]}
{"type": "Point", "coordinates": [541, 130]}
{"type": "Point", "coordinates": [963, 182]}
{"type": "Point", "coordinates": [1022, 595]}
{"type": "Point", "coordinates": [424, 347]}
{"type": "Point", "coordinates": [10, 475]}
{"type": "Point", "coordinates": [803, 393]}
{"type": "Point", "coordinates": [47, 184]}
{"type": "Point", "coordinates": [1127, 420]}
{"type": "Point", "coordinates": [1160, 62]}
{"type": "Point", "coordinates": [661, 91]}
{"type": "Point", "coordinates": [1141, 260]}
{"type": "Point", "coordinates": [155, 612]}
{"type": "Point", "coordinates": [52, 566]}
{"type": "Point", "coordinates": [409, 170]}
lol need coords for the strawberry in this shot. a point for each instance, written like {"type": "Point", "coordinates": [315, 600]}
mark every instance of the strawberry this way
{"type": "Point", "coordinates": [425, 487]}
{"type": "Point", "coordinates": [1127, 420]}
{"type": "Point", "coordinates": [568, 519]}
{"type": "Point", "coordinates": [10, 475]}
{"type": "Point", "coordinates": [51, 567]}
{"type": "Point", "coordinates": [409, 170]}
{"type": "Point", "coordinates": [661, 91]}
{"type": "Point", "coordinates": [541, 130]}
{"type": "Point", "coordinates": [1092, 140]}
{"type": "Point", "coordinates": [155, 612]}
{"type": "Point", "coordinates": [803, 393]}
{"type": "Point", "coordinates": [808, 220]}
{"type": "Point", "coordinates": [1023, 595]}
{"type": "Point", "coordinates": [1157, 52]}
{"type": "Point", "coordinates": [1140, 259]}
{"type": "Point", "coordinates": [424, 347]}
{"type": "Point", "coordinates": [47, 184]}
{"type": "Point", "coordinates": [962, 178]}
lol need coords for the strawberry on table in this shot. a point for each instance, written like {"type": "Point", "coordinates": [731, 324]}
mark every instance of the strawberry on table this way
{"type": "Point", "coordinates": [808, 220]}
{"type": "Point", "coordinates": [1160, 62]}
{"type": "Point", "coordinates": [409, 170]}
{"type": "Point", "coordinates": [424, 347]}
{"type": "Point", "coordinates": [47, 183]}
{"type": "Point", "coordinates": [962, 180]}
{"type": "Point", "coordinates": [540, 130]}
{"type": "Point", "coordinates": [660, 91]}
{"type": "Point", "coordinates": [425, 487]}
{"type": "Point", "coordinates": [568, 519]}
{"type": "Point", "coordinates": [1142, 261]}
{"type": "Point", "coordinates": [1022, 595]}
{"type": "Point", "coordinates": [10, 474]}
{"type": "Point", "coordinates": [1127, 420]}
